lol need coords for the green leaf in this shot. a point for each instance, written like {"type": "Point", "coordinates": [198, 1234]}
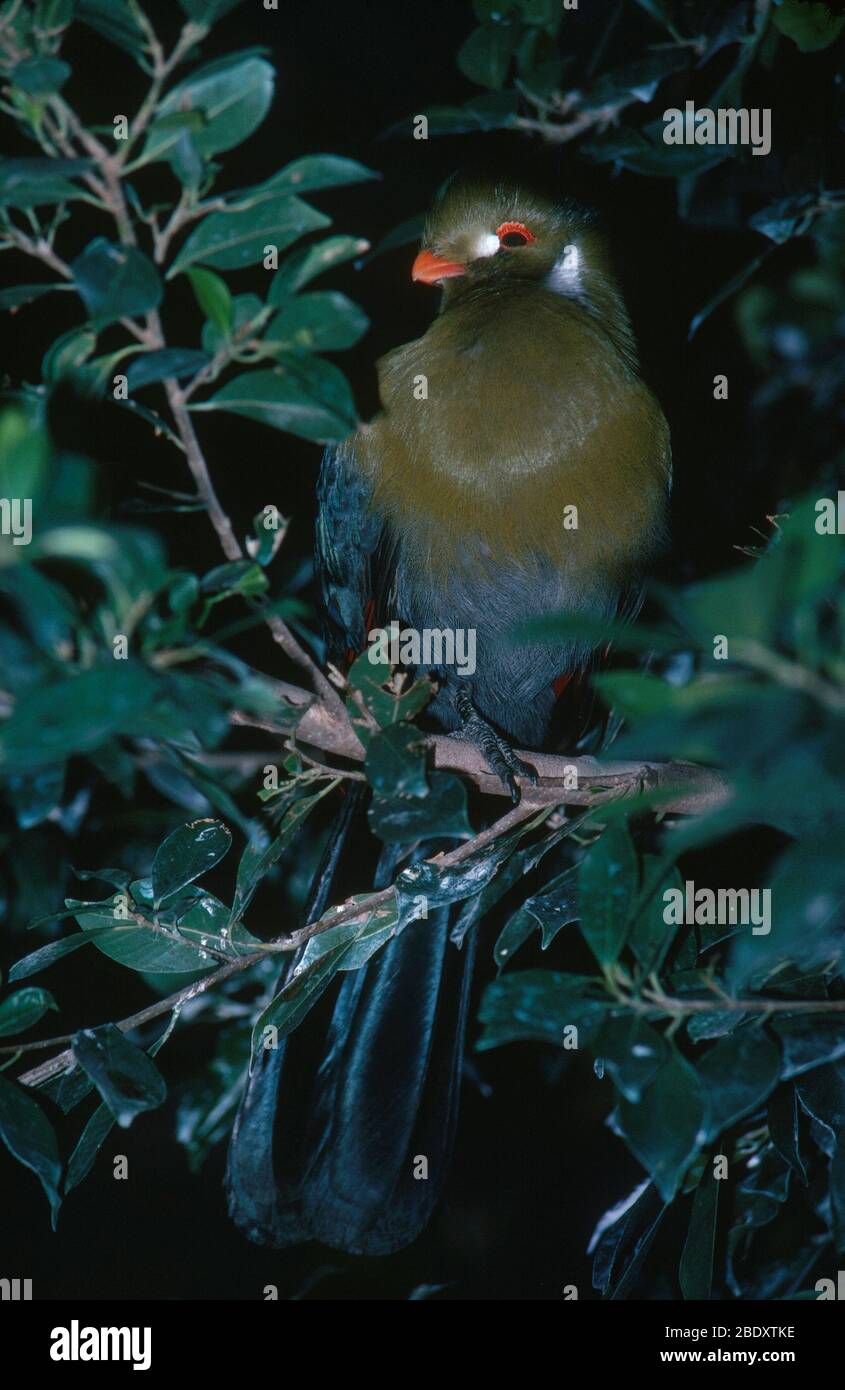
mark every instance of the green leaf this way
{"type": "Point", "coordinates": [822, 1097]}
{"type": "Point", "coordinates": [303, 395]}
{"type": "Point", "coordinates": [24, 1008]}
{"type": "Point", "coordinates": [782, 1120]}
{"type": "Point", "coordinates": [304, 265]}
{"type": "Point", "coordinates": [54, 15]}
{"type": "Point", "coordinates": [207, 12]}
{"type": "Point", "coordinates": [190, 851]}
{"type": "Point", "coordinates": [320, 322]}
{"type": "Point", "coordinates": [235, 577]}
{"type": "Point", "coordinates": [811, 26]}
{"type": "Point", "coordinates": [118, 878]}
{"type": "Point", "coordinates": [207, 1103]}
{"type": "Point", "coordinates": [263, 850]}
{"type": "Point", "coordinates": [650, 936]}
{"type": "Point", "coordinates": [40, 76]}
{"type": "Point", "coordinates": [346, 947]}
{"type": "Point", "coordinates": [140, 948]}
{"type": "Point", "coordinates": [206, 917]}
{"type": "Point", "coordinates": [35, 797]}
{"type": "Point", "coordinates": [485, 56]}
{"type": "Point", "coordinates": [232, 240]}
{"type": "Point", "coordinates": [607, 884]}
{"type": "Point", "coordinates": [809, 1041]}
{"type": "Point", "coordinates": [303, 990]}
{"type": "Point", "coordinates": [369, 678]}
{"type": "Point", "coordinates": [88, 1145]}
{"type": "Point", "coordinates": [261, 853]}
{"type": "Point", "coordinates": [639, 694]}
{"type": "Point", "coordinates": [44, 607]}
{"type": "Point", "coordinates": [491, 9]}
{"type": "Point", "coordinates": [116, 281]}
{"type": "Point", "coordinates": [644, 150]}
{"type": "Point", "coordinates": [213, 296]}
{"type": "Point", "coordinates": [510, 870]}
{"type": "Point", "coordinates": [13, 298]}
{"type": "Point", "coordinates": [114, 20]}
{"type": "Point", "coordinates": [27, 183]}
{"type": "Point", "coordinates": [726, 292]}
{"type": "Point", "coordinates": [24, 472]}
{"type": "Point", "coordinates": [312, 172]}
{"type": "Point", "coordinates": [100, 1124]}
{"type": "Point", "coordinates": [639, 78]}
{"type": "Point", "coordinates": [55, 950]}
{"type": "Point", "coordinates": [401, 819]}
{"type": "Point", "coordinates": [406, 234]}
{"type": "Point", "coordinates": [548, 911]}
{"type": "Point", "coordinates": [598, 631]}
{"type": "Point", "coordinates": [546, 13]}
{"type": "Point", "coordinates": [758, 1200]}
{"type": "Point", "coordinates": [170, 137]}
{"type": "Point", "coordinates": [807, 890]}
{"type": "Point", "coordinates": [68, 353]}
{"type": "Point", "coordinates": [452, 883]}
{"type": "Point", "coordinates": [632, 1052]}
{"type": "Point", "coordinates": [695, 1273]}
{"type": "Point", "coordinates": [128, 1081]}
{"type": "Point", "coordinates": [442, 120]}
{"type": "Point", "coordinates": [246, 309]}
{"type": "Point", "coordinates": [158, 366]}
{"type": "Point", "coordinates": [269, 529]}
{"type": "Point", "coordinates": [738, 1074]}
{"type": "Point", "coordinates": [661, 12]}
{"type": "Point", "coordinates": [623, 1238]}
{"type": "Point", "coordinates": [395, 762]}
{"type": "Point", "coordinates": [233, 94]}
{"type": "Point", "coordinates": [663, 1129]}
{"type": "Point", "coordinates": [75, 715]}
{"type": "Point", "coordinates": [29, 1137]}
{"type": "Point", "coordinates": [538, 1005]}
{"type": "Point", "coordinates": [780, 221]}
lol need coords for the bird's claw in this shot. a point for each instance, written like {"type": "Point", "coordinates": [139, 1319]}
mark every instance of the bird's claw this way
{"type": "Point", "coordinates": [510, 764]}
{"type": "Point", "coordinates": [495, 748]}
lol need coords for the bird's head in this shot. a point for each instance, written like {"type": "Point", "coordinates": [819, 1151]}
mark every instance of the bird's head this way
{"type": "Point", "coordinates": [484, 231]}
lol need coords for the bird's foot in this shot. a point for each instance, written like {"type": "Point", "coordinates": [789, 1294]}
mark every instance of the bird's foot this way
{"type": "Point", "coordinates": [493, 746]}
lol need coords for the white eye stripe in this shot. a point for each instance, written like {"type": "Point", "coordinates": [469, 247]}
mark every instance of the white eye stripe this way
{"type": "Point", "coordinates": [487, 245]}
{"type": "Point", "coordinates": [565, 274]}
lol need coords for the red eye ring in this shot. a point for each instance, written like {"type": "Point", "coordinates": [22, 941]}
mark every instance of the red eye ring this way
{"type": "Point", "coordinates": [514, 230]}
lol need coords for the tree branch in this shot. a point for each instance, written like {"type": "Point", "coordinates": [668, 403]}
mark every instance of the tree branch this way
{"type": "Point", "coordinates": [652, 1002]}
{"type": "Point", "coordinates": [685, 788]}
{"type": "Point", "coordinates": [332, 918]}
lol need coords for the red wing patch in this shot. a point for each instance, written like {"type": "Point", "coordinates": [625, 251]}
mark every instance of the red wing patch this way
{"type": "Point", "coordinates": [561, 682]}
{"type": "Point", "coordinates": [369, 616]}
{"type": "Point", "coordinates": [565, 679]}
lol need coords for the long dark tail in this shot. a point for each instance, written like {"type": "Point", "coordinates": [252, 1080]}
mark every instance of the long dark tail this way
{"type": "Point", "coordinates": [345, 1131]}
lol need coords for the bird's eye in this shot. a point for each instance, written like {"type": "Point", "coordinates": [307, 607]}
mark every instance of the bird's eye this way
{"type": "Point", "coordinates": [513, 234]}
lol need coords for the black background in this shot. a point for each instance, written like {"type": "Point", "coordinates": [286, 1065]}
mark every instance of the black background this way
{"type": "Point", "coordinates": [535, 1166]}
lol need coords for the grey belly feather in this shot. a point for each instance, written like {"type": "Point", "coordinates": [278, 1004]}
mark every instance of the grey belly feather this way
{"type": "Point", "coordinates": [513, 683]}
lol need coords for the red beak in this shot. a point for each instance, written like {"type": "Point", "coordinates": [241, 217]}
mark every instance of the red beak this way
{"type": "Point", "coordinates": [432, 269]}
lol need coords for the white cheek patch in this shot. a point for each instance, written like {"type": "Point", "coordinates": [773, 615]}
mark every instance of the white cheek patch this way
{"type": "Point", "coordinates": [487, 245]}
{"type": "Point", "coordinates": [565, 274]}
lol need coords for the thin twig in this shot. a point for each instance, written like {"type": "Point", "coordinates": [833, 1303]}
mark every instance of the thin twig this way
{"type": "Point", "coordinates": [162, 68]}
{"type": "Point", "coordinates": [292, 942]}
{"type": "Point", "coordinates": [199, 472]}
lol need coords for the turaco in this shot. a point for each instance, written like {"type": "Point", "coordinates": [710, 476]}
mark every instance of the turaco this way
{"type": "Point", "coordinates": [519, 466]}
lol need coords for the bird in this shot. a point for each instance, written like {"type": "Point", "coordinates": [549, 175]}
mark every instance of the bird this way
{"type": "Point", "coordinates": [519, 466]}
